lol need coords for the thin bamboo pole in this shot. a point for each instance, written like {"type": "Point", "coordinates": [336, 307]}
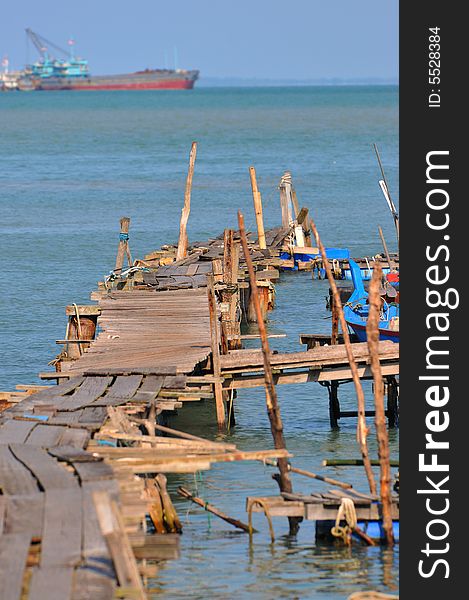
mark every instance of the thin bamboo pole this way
{"type": "Point", "coordinates": [183, 240]}
{"type": "Point", "coordinates": [362, 429]}
{"type": "Point", "coordinates": [372, 335]}
{"type": "Point", "coordinates": [273, 409]}
{"type": "Point", "coordinates": [256, 195]}
{"type": "Point", "coordinates": [385, 247]}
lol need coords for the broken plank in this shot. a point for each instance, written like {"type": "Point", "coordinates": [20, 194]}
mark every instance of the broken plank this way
{"type": "Point", "coordinates": [50, 474]}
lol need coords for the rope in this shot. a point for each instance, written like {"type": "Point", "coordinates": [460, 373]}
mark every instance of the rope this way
{"type": "Point", "coordinates": [348, 514]}
{"type": "Point", "coordinates": [263, 505]}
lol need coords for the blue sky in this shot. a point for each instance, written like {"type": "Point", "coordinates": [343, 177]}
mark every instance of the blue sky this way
{"type": "Point", "coordinates": [268, 39]}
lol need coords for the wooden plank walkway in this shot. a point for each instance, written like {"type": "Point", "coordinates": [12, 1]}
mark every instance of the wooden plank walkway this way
{"type": "Point", "coordinates": [52, 465]}
{"type": "Point", "coordinates": [241, 368]}
{"type": "Point", "coordinates": [148, 329]}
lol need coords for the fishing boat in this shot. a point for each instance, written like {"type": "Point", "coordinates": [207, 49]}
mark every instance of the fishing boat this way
{"type": "Point", "coordinates": [357, 309]}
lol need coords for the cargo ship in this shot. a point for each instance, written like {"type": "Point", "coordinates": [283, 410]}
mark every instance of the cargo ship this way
{"type": "Point", "coordinates": [72, 73]}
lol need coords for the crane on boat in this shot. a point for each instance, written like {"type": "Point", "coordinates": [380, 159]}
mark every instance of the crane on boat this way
{"type": "Point", "coordinates": [43, 45]}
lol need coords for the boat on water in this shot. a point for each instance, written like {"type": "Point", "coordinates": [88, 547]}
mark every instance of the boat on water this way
{"type": "Point", "coordinates": [72, 73]}
{"type": "Point", "coordinates": [357, 309]}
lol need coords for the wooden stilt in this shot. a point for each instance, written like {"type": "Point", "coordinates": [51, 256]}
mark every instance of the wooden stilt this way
{"type": "Point", "coordinates": [122, 249]}
{"type": "Point", "coordinates": [229, 322]}
{"type": "Point", "coordinates": [334, 405]}
{"type": "Point", "coordinates": [372, 334]}
{"type": "Point", "coordinates": [393, 401]}
{"type": "Point", "coordinates": [256, 195]}
{"type": "Point", "coordinates": [285, 198]}
{"type": "Point", "coordinates": [362, 429]}
{"type": "Point", "coordinates": [335, 323]}
{"type": "Point", "coordinates": [183, 240]}
{"type": "Point", "coordinates": [217, 386]}
{"type": "Point", "coordinates": [273, 409]}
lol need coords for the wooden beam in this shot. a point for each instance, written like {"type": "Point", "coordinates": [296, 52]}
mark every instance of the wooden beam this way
{"type": "Point", "coordinates": [111, 525]}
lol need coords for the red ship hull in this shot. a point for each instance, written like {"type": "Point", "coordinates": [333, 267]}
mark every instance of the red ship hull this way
{"type": "Point", "coordinates": [142, 80]}
{"type": "Point", "coordinates": [151, 85]}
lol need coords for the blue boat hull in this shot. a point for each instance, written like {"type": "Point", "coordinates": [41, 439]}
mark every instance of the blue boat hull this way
{"type": "Point", "coordinates": [356, 311]}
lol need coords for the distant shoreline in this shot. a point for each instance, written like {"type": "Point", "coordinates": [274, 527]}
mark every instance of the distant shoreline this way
{"type": "Point", "coordinates": [241, 82]}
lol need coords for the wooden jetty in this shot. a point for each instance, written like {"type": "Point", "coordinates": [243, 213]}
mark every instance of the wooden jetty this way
{"type": "Point", "coordinates": [82, 463]}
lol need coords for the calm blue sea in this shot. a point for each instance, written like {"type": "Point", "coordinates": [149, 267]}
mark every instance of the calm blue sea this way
{"type": "Point", "coordinates": [74, 163]}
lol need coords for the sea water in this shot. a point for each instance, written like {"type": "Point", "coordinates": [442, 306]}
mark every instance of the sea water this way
{"type": "Point", "coordinates": [74, 163]}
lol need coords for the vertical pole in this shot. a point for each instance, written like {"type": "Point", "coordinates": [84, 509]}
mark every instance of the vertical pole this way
{"type": "Point", "coordinates": [212, 307]}
{"type": "Point", "coordinates": [256, 195]}
{"type": "Point", "coordinates": [362, 429]}
{"type": "Point", "coordinates": [372, 335]}
{"type": "Point", "coordinates": [335, 323]}
{"type": "Point", "coordinates": [383, 241]}
{"type": "Point", "coordinates": [334, 406]}
{"type": "Point", "coordinates": [122, 249]}
{"type": "Point", "coordinates": [273, 409]}
{"type": "Point", "coordinates": [183, 240]}
{"type": "Point", "coordinates": [393, 403]}
{"type": "Point", "coordinates": [285, 198]}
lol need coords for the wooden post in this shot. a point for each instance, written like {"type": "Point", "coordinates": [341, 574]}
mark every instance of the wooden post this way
{"type": "Point", "coordinates": [123, 248]}
{"type": "Point", "coordinates": [230, 325]}
{"type": "Point", "coordinates": [393, 401]}
{"type": "Point", "coordinates": [303, 219]}
{"type": "Point", "coordinates": [334, 404]}
{"type": "Point", "coordinates": [372, 336]}
{"type": "Point", "coordinates": [335, 323]}
{"type": "Point", "coordinates": [212, 307]}
{"type": "Point", "coordinates": [183, 240]}
{"type": "Point", "coordinates": [383, 241]}
{"type": "Point", "coordinates": [362, 429]}
{"type": "Point", "coordinates": [256, 195]}
{"type": "Point", "coordinates": [273, 409]}
{"type": "Point", "coordinates": [285, 198]}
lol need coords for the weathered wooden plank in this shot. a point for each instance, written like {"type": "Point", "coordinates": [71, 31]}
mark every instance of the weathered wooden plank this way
{"type": "Point", "coordinates": [25, 514]}
{"type": "Point", "coordinates": [15, 431]}
{"type": "Point", "coordinates": [111, 525]}
{"type": "Point", "coordinates": [14, 548]}
{"type": "Point", "coordinates": [45, 436]}
{"type": "Point", "coordinates": [15, 478]}
{"type": "Point", "coordinates": [91, 389]}
{"type": "Point", "coordinates": [149, 389]}
{"type": "Point", "coordinates": [89, 582]}
{"type": "Point", "coordinates": [94, 545]}
{"type": "Point", "coordinates": [95, 415]}
{"type": "Point", "coordinates": [78, 438]}
{"type": "Point", "coordinates": [65, 417]}
{"type": "Point", "coordinates": [63, 519]}
{"type": "Point", "coordinates": [2, 512]}
{"type": "Point", "coordinates": [93, 471]}
{"type": "Point", "coordinates": [53, 583]}
{"type": "Point", "coordinates": [50, 474]}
